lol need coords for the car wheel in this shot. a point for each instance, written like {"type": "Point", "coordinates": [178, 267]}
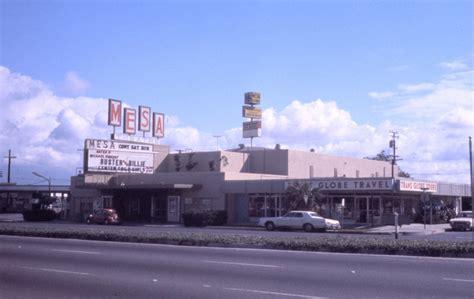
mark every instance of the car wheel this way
{"type": "Point", "coordinates": [88, 221]}
{"type": "Point", "coordinates": [308, 227]}
{"type": "Point", "coordinates": [270, 226]}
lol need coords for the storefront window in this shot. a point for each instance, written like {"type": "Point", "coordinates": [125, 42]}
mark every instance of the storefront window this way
{"type": "Point", "coordinates": [349, 208]}
{"type": "Point", "coordinates": [265, 206]}
{"type": "Point", "coordinates": [256, 206]}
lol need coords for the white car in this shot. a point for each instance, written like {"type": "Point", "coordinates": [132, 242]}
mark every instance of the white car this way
{"type": "Point", "coordinates": [306, 220]}
{"type": "Point", "coordinates": [463, 221]}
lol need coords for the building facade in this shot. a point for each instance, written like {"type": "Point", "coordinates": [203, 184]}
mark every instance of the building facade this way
{"type": "Point", "coordinates": [146, 182]}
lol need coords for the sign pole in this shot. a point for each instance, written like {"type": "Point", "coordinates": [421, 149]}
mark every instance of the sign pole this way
{"type": "Point", "coordinates": [472, 184]}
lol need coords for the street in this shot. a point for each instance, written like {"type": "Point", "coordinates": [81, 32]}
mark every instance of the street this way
{"type": "Point", "coordinates": [58, 268]}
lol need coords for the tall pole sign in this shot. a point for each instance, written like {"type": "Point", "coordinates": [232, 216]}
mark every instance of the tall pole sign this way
{"type": "Point", "coordinates": [252, 128]}
{"type": "Point", "coordinates": [472, 183]}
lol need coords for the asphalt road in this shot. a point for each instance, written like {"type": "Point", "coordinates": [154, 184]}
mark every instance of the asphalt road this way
{"type": "Point", "coordinates": [57, 268]}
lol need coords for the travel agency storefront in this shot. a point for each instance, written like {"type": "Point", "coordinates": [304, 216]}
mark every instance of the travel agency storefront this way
{"type": "Point", "coordinates": [351, 200]}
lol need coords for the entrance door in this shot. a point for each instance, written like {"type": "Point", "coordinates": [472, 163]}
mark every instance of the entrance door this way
{"type": "Point", "coordinates": [363, 209]}
{"type": "Point", "coordinates": [173, 208]}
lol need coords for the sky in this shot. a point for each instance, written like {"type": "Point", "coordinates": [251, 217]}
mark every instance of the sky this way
{"type": "Point", "coordinates": [335, 76]}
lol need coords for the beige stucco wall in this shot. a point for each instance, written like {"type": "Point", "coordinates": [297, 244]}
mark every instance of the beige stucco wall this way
{"type": "Point", "coordinates": [269, 161]}
{"type": "Point", "coordinates": [159, 158]}
{"type": "Point", "coordinates": [334, 166]}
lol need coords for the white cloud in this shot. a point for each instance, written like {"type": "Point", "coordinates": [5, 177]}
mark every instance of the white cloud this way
{"type": "Point", "coordinates": [409, 88]}
{"type": "Point", "coordinates": [456, 65]}
{"type": "Point", "coordinates": [45, 131]}
{"type": "Point", "coordinates": [381, 95]}
{"type": "Point", "coordinates": [75, 85]}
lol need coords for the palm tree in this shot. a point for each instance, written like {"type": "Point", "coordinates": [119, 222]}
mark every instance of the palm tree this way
{"type": "Point", "coordinates": [302, 196]}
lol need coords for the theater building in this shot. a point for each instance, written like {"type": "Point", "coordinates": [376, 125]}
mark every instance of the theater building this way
{"type": "Point", "coordinates": [146, 182]}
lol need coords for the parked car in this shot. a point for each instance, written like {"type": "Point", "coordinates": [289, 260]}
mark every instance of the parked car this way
{"type": "Point", "coordinates": [103, 216]}
{"type": "Point", "coordinates": [307, 220]}
{"type": "Point", "coordinates": [462, 221]}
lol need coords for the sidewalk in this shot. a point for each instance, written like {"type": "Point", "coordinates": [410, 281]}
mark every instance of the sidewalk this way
{"type": "Point", "coordinates": [11, 217]}
{"type": "Point", "coordinates": [414, 228]}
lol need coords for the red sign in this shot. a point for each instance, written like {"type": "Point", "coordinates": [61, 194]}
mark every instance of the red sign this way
{"type": "Point", "coordinates": [129, 121]}
{"type": "Point", "coordinates": [115, 113]}
{"type": "Point", "coordinates": [144, 121]}
{"type": "Point", "coordinates": [158, 125]}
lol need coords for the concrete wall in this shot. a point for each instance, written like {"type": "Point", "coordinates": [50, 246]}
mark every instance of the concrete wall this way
{"type": "Point", "coordinates": [201, 158]}
{"type": "Point", "coordinates": [161, 153]}
{"type": "Point", "coordinates": [81, 194]}
{"type": "Point", "coordinates": [269, 161]}
{"type": "Point", "coordinates": [333, 166]}
{"type": "Point", "coordinates": [210, 184]}
{"type": "Point", "coordinates": [224, 161]}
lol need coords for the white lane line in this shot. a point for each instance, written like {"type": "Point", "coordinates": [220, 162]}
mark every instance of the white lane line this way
{"type": "Point", "coordinates": [273, 293]}
{"type": "Point", "coordinates": [457, 279]}
{"type": "Point", "coordinates": [242, 264]}
{"type": "Point", "coordinates": [75, 251]}
{"type": "Point", "coordinates": [56, 271]}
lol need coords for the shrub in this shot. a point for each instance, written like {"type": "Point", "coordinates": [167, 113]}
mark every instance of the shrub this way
{"type": "Point", "coordinates": [196, 218]}
{"type": "Point", "coordinates": [39, 215]}
{"type": "Point", "coordinates": [218, 217]}
{"type": "Point", "coordinates": [204, 218]}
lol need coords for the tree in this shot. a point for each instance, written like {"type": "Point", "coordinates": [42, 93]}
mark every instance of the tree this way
{"type": "Point", "coordinates": [177, 162]}
{"type": "Point", "coordinates": [302, 196]}
{"type": "Point", "coordinates": [190, 164]}
{"type": "Point", "coordinates": [382, 156]}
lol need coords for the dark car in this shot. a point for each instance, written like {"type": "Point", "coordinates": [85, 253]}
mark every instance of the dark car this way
{"type": "Point", "coordinates": [103, 216]}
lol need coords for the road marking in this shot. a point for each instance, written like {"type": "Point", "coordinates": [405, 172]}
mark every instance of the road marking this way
{"type": "Point", "coordinates": [273, 293]}
{"type": "Point", "coordinates": [57, 271]}
{"type": "Point", "coordinates": [243, 264]}
{"type": "Point", "coordinates": [457, 279]}
{"type": "Point", "coordinates": [463, 237]}
{"type": "Point", "coordinates": [75, 251]}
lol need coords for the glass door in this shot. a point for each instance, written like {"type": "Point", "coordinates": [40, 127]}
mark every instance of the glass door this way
{"type": "Point", "coordinates": [362, 209]}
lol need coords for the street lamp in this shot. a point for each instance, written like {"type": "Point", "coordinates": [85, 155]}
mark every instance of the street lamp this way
{"type": "Point", "coordinates": [46, 178]}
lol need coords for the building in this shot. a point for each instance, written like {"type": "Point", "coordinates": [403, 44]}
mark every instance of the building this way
{"type": "Point", "coordinates": [146, 182]}
{"type": "Point", "coordinates": [16, 198]}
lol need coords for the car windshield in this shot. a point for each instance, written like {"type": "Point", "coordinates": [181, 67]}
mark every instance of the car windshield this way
{"type": "Point", "coordinates": [313, 214]}
{"type": "Point", "coordinates": [465, 215]}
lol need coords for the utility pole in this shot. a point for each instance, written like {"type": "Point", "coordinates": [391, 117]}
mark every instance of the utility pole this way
{"type": "Point", "coordinates": [472, 183]}
{"type": "Point", "coordinates": [394, 147]}
{"type": "Point", "coordinates": [217, 141]}
{"type": "Point", "coordinates": [10, 157]}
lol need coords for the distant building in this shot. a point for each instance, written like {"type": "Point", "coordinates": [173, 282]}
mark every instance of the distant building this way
{"type": "Point", "coordinates": [146, 182]}
{"type": "Point", "coordinates": [16, 198]}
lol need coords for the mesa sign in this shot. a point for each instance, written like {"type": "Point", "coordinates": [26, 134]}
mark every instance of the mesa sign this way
{"type": "Point", "coordinates": [145, 123]}
{"type": "Point", "coordinates": [118, 156]}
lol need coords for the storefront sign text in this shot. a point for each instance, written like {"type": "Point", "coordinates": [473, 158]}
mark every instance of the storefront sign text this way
{"type": "Point", "coordinates": [417, 186]}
